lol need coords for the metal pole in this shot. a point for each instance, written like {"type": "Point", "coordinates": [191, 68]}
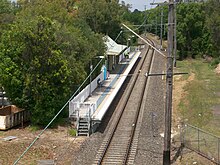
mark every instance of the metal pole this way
{"type": "Point", "coordinates": [218, 151]}
{"type": "Point", "coordinates": [2, 97]}
{"type": "Point", "coordinates": [161, 20]}
{"type": "Point", "coordinates": [152, 123]}
{"type": "Point", "coordinates": [164, 28]}
{"type": "Point", "coordinates": [183, 132]}
{"type": "Point", "coordinates": [169, 88]}
{"type": "Point", "coordinates": [198, 141]}
{"type": "Point", "coordinates": [145, 20]}
{"type": "Point", "coordinates": [161, 28]}
{"type": "Point", "coordinates": [175, 43]}
{"type": "Point", "coordinates": [90, 79]}
{"type": "Point", "coordinates": [156, 25]}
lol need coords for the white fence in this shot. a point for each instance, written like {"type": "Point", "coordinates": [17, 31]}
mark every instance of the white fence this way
{"type": "Point", "coordinates": [77, 101]}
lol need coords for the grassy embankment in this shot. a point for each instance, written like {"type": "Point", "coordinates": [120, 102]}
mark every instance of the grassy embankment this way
{"type": "Point", "coordinates": [200, 103]}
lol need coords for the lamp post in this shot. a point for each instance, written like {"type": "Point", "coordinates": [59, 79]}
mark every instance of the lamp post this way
{"type": "Point", "coordinates": [128, 42]}
{"type": "Point", "coordinates": [91, 71]}
{"type": "Point", "coordinates": [90, 78]}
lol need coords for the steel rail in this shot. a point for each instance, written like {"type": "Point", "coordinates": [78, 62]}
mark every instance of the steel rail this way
{"type": "Point", "coordinates": [122, 109]}
{"type": "Point", "coordinates": [138, 111]}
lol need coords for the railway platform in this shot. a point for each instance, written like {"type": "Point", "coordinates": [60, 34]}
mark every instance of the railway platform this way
{"type": "Point", "coordinates": [112, 85]}
{"type": "Point", "coordinates": [91, 112]}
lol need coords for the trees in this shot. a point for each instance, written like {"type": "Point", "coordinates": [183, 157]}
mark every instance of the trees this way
{"type": "Point", "coordinates": [192, 33]}
{"type": "Point", "coordinates": [34, 72]}
{"type": "Point", "coordinates": [44, 55]}
{"type": "Point", "coordinates": [136, 17]}
{"type": "Point", "coordinates": [7, 13]}
{"type": "Point", "coordinates": [198, 26]}
{"type": "Point", "coordinates": [79, 39]}
{"type": "Point", "coordinates": [213, 25]}
{"type": "Point", "coordinates": [101, 15]}
{"type": "Point", "coordinates": [190, 29]}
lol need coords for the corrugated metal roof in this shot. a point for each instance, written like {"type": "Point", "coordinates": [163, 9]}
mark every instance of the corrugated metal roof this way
{"type": "Point", "coordinates": [112, 47]}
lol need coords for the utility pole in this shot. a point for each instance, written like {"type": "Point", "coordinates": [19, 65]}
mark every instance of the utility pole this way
{"type": "Point", "coordinates": [161, 22]}
{"type": "Point", "coordinates": [161, 29]}
{"type": "Point", "coordinates": [169, 83]}
{"type": "Point", "coordinates": [145, 20]}
{"type": "Point", "coordinates": [169, 86]}
{"type": "Point", "coordinates": [169, 80]}
{"type": "Point", "coordinates": [156, 25]}
{"type": "Point", "coordinates": [175, 43]}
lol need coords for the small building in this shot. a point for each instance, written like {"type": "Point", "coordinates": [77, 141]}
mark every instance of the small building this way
{"type": "Point", "coordinates": [115, 52]}
{"type": "Point", "coordinates": [11, 116]}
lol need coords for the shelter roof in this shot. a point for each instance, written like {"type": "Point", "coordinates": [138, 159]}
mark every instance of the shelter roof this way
{"type": "Point", "coordinates": [113, 48]}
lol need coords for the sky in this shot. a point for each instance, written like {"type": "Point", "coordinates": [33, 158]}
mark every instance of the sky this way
{"type": "Point", "coordinates": [139, 4]}
{"type": "Point", "coordinates": [136, 4]}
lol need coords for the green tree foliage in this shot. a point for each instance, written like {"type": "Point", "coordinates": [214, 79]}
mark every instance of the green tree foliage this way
{"type": "Point", "coordinates": [7, 13]}
{"type": "Point", "coordinates": [34, 71]}
{"type": "Point", "coordinates": [193, 36]}
{"type": "Point", "coordinates": [213, 24]}
{"type": "Point", "coordinates": [44, 55]}
{"type": "Point", "coordinates": [190, 29]}
{"type": "Point", "coordinates": [198, 26]}
{"type": "Point", "coordinates": [136, 17]}
{"type": "Point", "coordinates": [103, 16]}
{"type": "Point", "coordinates": [148, 20]}
{"type": "Point", "coordinates": [81, 40]}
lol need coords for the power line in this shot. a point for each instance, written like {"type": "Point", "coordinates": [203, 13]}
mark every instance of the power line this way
{"type": "Point", "coordinates": [38, 136]}
{"type": "Point", "coordinates": [145, 41]}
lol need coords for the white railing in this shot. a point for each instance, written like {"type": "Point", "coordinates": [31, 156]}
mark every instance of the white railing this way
{"type": "Point", "coordinates": [77, 101]}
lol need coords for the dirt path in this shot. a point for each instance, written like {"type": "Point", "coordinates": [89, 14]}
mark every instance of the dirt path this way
{"type": "Point", "coordinates": [217, 70]}
{"type": "Point", "coordinates": [178, 94]}
{"type": "Point", "coordinates": [55, 144]}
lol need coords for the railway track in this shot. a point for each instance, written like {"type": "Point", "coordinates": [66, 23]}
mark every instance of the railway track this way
{"type": "Point", "coordinates": [120, 143]}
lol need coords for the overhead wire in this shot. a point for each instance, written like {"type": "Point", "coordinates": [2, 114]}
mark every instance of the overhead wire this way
{"type": "Point", "coordinates": [38, 136]}
{"type": "Point", "coordinates": [145, 19]}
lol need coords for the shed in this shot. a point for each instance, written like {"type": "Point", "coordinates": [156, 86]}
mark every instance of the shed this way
{"type": "Point", "coordinates": [115, 52]}
{"type": "Point", "coordinates": [11, 116]}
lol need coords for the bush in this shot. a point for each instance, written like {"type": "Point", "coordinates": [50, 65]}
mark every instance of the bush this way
{"type": "Point", "coordinates": [72, 132]}
{"type": "Point", "coordinates": [215, 62]}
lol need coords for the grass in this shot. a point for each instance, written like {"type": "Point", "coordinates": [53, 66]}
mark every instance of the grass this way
{"type": "Point", "coordinates": [196, 106]}
{"type": "Point", "coordinates": [72, 132]}
{"type": "Point", "coordinates": [34, 128]}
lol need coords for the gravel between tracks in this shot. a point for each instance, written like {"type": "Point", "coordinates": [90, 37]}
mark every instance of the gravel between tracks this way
{"type": "Point", "coordinates": [149, 148]}
{"type": "Point", "coordinates": [88, 150]}
{"type": "Point", "coordinates": [150, 144]}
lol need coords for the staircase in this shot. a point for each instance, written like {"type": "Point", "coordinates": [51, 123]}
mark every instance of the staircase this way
{"type": "Point", "coordinates": [83, 119]}
{"type": "Point", "coordinates": [83, 127]}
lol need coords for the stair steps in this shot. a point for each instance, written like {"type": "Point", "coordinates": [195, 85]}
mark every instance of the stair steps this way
{"type": "Point", "coordinates": [83, 127]}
